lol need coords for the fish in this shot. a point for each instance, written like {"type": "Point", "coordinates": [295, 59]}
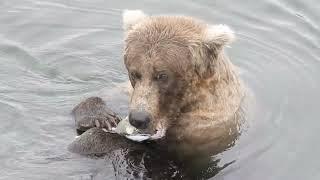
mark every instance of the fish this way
{"type": "Point", "coordinates": [124, 128]}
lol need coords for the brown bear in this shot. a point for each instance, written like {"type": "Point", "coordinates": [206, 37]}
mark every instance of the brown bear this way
{"type": "Point", "coordinates": [185, 93]}
{"type": "Point", "coordinates": [185, 89]}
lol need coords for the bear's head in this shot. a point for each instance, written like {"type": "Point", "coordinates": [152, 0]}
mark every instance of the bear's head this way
{"type": "Point", "coordinates": [170, 61]}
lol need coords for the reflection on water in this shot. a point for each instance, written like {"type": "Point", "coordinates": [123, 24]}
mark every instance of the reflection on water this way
{"type": "Point", "coordinates": [55, 53]}
{"type": "Point", "coordinates": [150, 164]}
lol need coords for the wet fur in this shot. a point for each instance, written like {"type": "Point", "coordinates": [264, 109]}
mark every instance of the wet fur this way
{"type": "Point", "coordinates": [202, 107]}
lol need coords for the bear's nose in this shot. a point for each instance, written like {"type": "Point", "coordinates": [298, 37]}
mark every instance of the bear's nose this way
{"type": "Point", "coordinates": [139, 119]}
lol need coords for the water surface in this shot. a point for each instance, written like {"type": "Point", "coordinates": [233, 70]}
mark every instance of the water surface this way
{"type": "Point", "coordinates": [55, 53]}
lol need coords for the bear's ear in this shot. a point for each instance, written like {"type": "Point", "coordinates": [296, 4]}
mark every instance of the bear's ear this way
{"type": "Point", "coordinates": [132, 17]}
{"type": "Point", "coordinates": [218, 36]}
{"type": "Point", "coordinates": [214, 39]}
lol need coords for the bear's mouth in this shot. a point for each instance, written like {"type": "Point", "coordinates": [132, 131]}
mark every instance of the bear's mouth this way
{"type": "Point", "coordinates": [147, 137]}
{"type": "Point", "coordinates": [160, 133]}
{"type": "Point", "coordinates": [130, 132]}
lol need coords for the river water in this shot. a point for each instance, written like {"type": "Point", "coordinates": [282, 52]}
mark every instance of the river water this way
{"type": "Point", "coordinates": [55, 53]}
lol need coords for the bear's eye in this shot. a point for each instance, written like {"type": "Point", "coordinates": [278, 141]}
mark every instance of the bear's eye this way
{"type": "Point", "coordinates": [161, 77]}
{"type": "Point", "coordinates": [135, 75]}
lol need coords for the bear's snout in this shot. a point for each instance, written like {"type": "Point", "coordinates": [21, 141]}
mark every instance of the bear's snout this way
{"type": "Point", "coordinates": [139, 119]}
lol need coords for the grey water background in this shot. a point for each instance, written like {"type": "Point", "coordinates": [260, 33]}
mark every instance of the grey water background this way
{"type": "Point", "coordinates": [55, 53]}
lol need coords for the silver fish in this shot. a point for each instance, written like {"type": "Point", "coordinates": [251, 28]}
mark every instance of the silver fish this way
{"type": "Point", "coordinates": [126, 129]}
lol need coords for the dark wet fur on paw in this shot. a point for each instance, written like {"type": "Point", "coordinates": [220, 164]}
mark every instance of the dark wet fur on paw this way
{"type": "Point", "coordinates": [97, 141]}
{"type": "Point", "coordinates": [93, 112]}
